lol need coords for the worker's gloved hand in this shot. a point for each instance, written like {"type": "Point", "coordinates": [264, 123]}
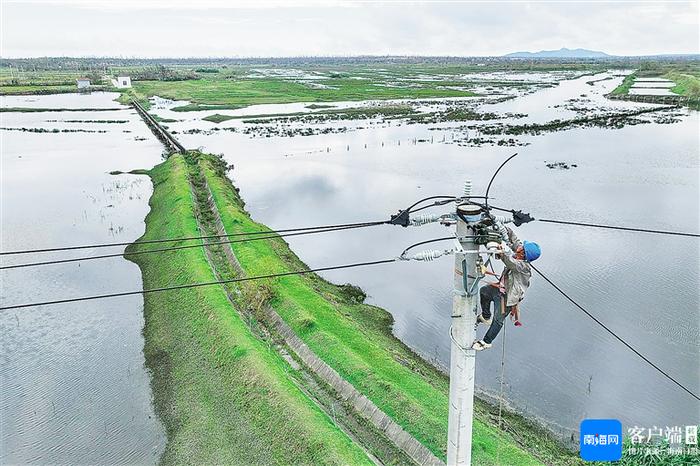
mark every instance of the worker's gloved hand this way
{"type": "Point", "coordinates": [501, 250]}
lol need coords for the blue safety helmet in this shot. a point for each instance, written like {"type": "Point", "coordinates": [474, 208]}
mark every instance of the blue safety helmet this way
{"type": "Point", "coordinates": [532, 251]}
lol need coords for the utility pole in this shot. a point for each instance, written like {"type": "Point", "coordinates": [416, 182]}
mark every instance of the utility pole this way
{"type": "Point", "coordinates": [462, 334]}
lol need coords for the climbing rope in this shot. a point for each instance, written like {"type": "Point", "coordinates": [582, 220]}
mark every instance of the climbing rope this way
{"type": "Point", "coordinates": [503, 374]}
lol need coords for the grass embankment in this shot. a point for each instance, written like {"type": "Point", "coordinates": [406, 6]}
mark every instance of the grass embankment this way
{"type": "Point", "coordinates": [215, 94]}
{"type": "Point", "coordinates": [37, 89]}
{"type": "Point", "coordinates": [224, 396]}
{"type": "Point", "coordinates": [686, 84]}
{"type": "Point", "coordinates": [356, 340]}
{"type": "Point", "coordinates": [624, 87]}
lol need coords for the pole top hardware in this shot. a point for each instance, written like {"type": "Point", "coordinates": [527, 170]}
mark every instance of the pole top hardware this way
{"type": "Point", "coordinates": [402, 218]}
{"type": "Point", "coordinates": [469, 213]}
{"type": "Point", "coordinates": [469, 209]}
{"type": "Point", "coordinates": [520, 217]}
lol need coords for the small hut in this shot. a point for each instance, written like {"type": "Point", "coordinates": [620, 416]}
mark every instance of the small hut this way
{"type": "Point", "coordinates": [122, 82]}
{"type": "Point", "coordinates": [83, 83]}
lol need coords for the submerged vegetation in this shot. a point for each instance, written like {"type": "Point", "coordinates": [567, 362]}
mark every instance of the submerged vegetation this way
{"type": "Point", "coordinates": [217, 118]}
{"type": "Point", "coordinates": [53, 130]}
{"type": "Point", "coordinates": [46, 110]}
{"type": "Point", "coordinates": [614, 120]}
{"type": "Point", "coordinates": [88, 121]}
{"type": "Point", "coordinates": [229, 84]}
{"type": "Point", "coordinates": [213, 94]}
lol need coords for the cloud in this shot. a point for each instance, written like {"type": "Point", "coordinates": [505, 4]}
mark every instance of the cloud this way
{"type": "Point", "coordinates": [187, 4]}
{"type": "Point", "coordinates": [149, 28]}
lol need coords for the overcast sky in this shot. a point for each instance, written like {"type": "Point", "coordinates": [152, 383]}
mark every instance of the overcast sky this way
{"type": "Point", "coordinates": [172, 28]}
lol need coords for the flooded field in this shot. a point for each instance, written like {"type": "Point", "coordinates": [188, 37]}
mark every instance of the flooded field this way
{"type": "Point", "coordinates": [75, 389]}
{"type": "Point", "coordinates": [652, 86]}
{"type": "Point", "coordinates": [561, 367]}
{"type": "Point", "coordinates": [73, 375]}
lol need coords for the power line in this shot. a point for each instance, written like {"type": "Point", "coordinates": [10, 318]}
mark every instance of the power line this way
{"type": "Point", "coordinates": [190, 238]}
{"type": "Point", "coordinates": [493, 177]}
{"type": "Point", "coordinates": [434, 204]}
{"type": "Point", "coordinates": [175, 248]}
{"type": "Point", "coordinates": [608, 227]}
{"type": "Point", "coordinates": [429, 198]}
{"type": "Point", "coordinates": [435, 240]}
{"type": "Point", "coordinates": [195, 285]}
{"type": "Point", "coordinates": [447, 200]}
{"type": "Point", "coordinates": [186, 238]}
{"type": "Point", "coordinates": [614, 334]}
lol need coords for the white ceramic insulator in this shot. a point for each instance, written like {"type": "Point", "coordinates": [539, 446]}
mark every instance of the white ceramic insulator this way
{"type": "Point", "coordinates": [467, 188]}
{"type": "Point", "coordinates": [424, 219]}
{"type": "Point", "coordinates": [428, 256]}
{"type": "Point", "coordinates": [502, 219]}
{"type": "Point", "coordinates": [492, 246]}
{"type": "Point", "coordinates": [503, 232]}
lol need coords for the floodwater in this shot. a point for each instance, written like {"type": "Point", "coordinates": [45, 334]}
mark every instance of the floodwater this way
{"type": "Point", "coordinates": [74, 386]}
{"type": "Point", "coordinates": [560, 366]}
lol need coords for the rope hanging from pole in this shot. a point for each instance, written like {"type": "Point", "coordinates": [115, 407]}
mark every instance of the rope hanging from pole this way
{"type": "Point", "coordinates": [503, 373]}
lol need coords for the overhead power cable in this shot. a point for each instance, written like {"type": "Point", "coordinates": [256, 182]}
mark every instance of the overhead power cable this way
{"type": "Point", "coordinates": [429, 198]}
{"type": "Point", "coordinates": [434, 204]}
{"type": "Point", "coordinates": [262, 232]}
{"type": "Point", "coordinates": [493, 177]}
{"type": "Point", "coordinates": [435, 240]}
{"type": "Point", "coordinates": [176, 248]}
{"type": "Point", "coordinates": [608, 227]}
{"type": "Point", "coordinates": [605, 327]}
{"type": "Point", "coordinates": [195, 285]}
{"type": "Point", "coordinates": [187, 238]}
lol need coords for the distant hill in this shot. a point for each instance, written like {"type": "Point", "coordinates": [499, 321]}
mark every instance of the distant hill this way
{"type": "Point", "coordinates": [561, 53]}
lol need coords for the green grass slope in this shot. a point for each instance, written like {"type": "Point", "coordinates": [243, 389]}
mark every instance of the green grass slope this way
{"type": "Point", "coordinates": [224, 396]}
{"type": "Point", "coordinates": [686, 84]}
{"type": "Point", "coordinates": [624, 87]}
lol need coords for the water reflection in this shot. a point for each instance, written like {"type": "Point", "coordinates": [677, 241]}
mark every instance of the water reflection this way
{"type": "Point", "coordinates": [74, 386]}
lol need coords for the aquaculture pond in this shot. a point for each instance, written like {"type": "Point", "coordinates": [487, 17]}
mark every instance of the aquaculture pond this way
{"type": "Point", "coordinates": [72, 376]}
{"type": "Point", "coordinates": [560, 367]}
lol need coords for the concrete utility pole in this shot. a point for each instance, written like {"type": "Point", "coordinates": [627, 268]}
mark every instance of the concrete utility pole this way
{"type": "Point", "coordinates": [462, 334]}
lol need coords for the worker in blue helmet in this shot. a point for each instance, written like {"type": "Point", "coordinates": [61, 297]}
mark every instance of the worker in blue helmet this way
{"type": "Point", "coordinates": [507, 293]}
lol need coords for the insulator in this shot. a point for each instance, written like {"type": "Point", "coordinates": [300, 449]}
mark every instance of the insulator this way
{"type": "Point", "coordinates": [492, 246]}
{"type": "Point", "coordinates": [429, 255]}
{"type": "Point", "coordinates": [503, 231]}
{"type": "Point", "coordinates": [425, 219]}
{"type": "Point", "coordinates": [467, 188]}
{"type": "Point", "coordinates": [502, 219]}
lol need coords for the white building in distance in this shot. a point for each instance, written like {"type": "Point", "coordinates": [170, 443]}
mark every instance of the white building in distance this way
{"type": "Point", "coordinates": [122, 82]}
{"type": "Point", "coordinates": [83, 83]}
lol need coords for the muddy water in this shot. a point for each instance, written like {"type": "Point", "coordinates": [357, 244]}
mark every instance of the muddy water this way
{"type": "Point", "coordinates": [74, 386]}
{"type": "Point", "coordinates": [560, 367]}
